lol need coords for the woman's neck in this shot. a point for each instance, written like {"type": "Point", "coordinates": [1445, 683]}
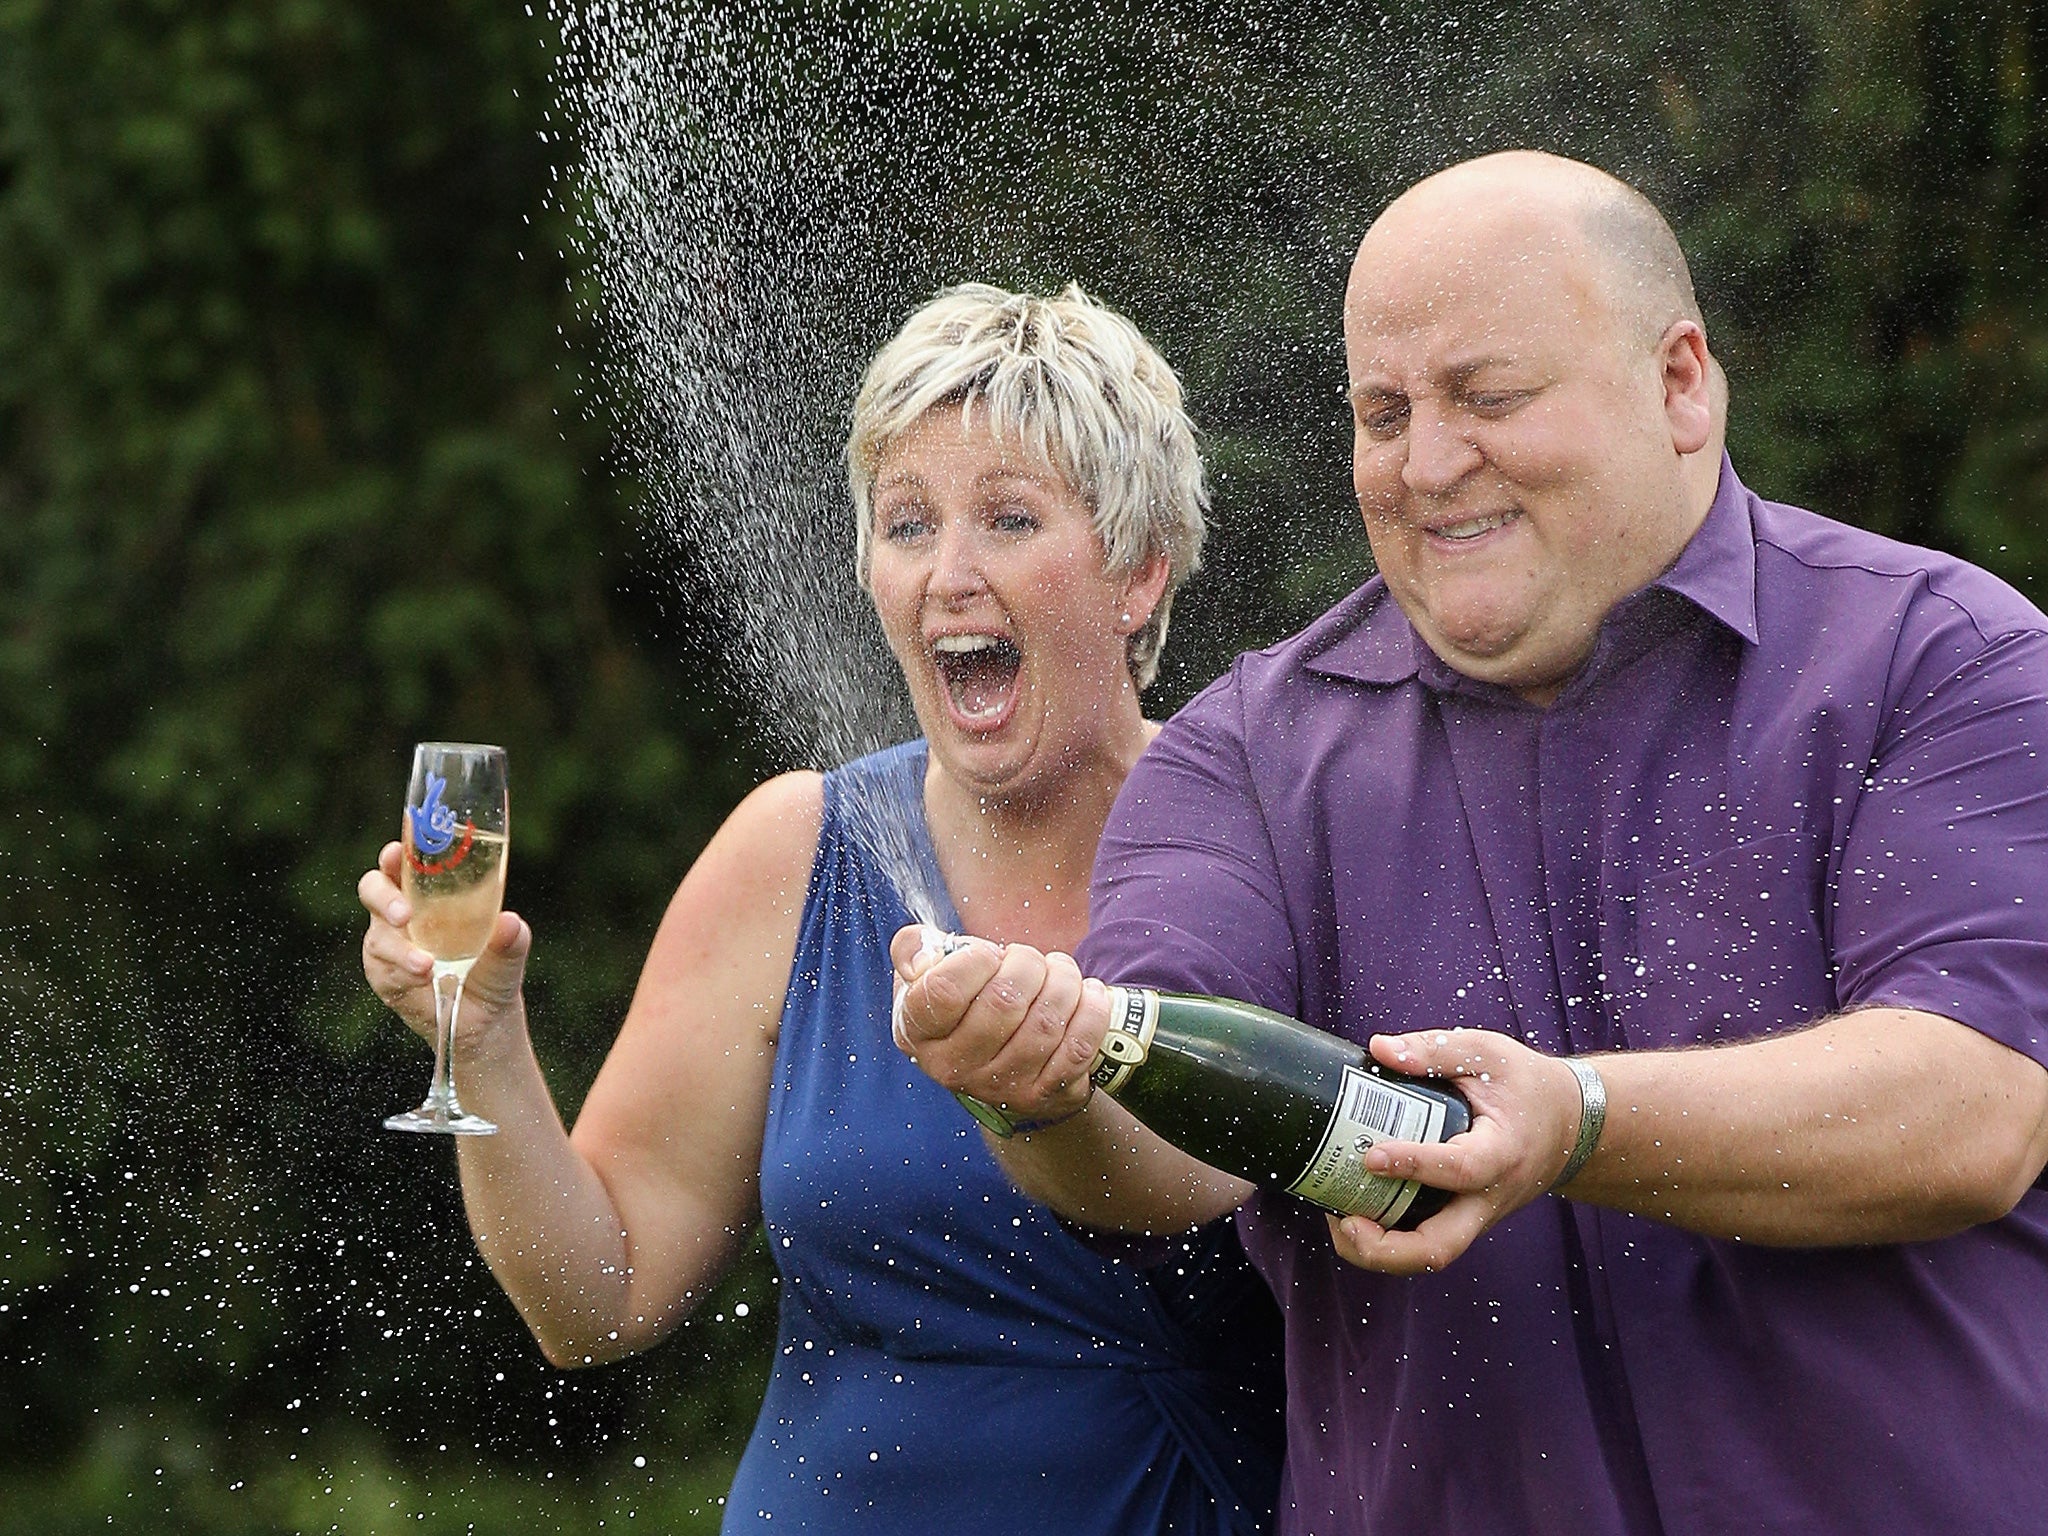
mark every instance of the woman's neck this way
{"type": "Point", "coordinates": [1018, 867]}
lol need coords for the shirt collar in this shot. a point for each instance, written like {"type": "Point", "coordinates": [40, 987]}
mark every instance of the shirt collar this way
{"type": "Point", "coordinates": [1716, 572]}
{"type": "Point", "coordinates": [1377, 646]}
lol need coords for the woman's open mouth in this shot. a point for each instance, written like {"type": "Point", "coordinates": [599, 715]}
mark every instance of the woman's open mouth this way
{"type": "Point", "coordinates": [978, 674]}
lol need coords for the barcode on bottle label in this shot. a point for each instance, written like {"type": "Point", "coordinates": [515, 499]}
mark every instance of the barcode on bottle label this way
{"type": "Point", "coordinates": [1369, 1109]}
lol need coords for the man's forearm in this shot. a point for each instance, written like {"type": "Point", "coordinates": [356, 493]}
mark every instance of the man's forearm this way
{"type": "Point", "coordinates": [1879, 1126]}
{"type": "Point", "coordinates": [1103, 1169]}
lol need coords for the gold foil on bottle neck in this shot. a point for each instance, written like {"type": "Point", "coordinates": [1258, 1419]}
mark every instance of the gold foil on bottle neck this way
{"type": "Point", "coordinates": [1133, 1017]}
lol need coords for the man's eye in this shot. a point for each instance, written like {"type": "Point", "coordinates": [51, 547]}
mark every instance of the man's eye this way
{"type": "Point", "coordinates": [1496, 402]}
{"type": "Point", "coordinates": [1383, 421]}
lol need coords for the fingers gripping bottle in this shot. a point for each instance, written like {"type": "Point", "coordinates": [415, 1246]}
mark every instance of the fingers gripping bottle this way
{"type": "Point", "coordinates": [1262, 1096]}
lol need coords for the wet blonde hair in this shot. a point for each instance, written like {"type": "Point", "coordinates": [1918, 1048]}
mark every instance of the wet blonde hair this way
{"type": "Point", "coordinates": [1079, 387]}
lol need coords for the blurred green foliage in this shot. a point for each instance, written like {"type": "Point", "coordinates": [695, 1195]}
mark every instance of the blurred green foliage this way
{"type": "Point", "coordinates": [158, 1476]}
{"type": "Point", "coordinates": [293, 473]}
{"type": "Point", "coordinates": [296, 469]}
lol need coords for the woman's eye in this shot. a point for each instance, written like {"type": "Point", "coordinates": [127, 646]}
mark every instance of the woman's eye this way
{"type": "Point", "coordinates": [1015, 520]}
{"type": "Point", "coordinates": [903, 527]}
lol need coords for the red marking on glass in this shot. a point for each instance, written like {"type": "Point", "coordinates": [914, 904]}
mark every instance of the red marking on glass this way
{"type": "Point", "coordinates": [442, 866]}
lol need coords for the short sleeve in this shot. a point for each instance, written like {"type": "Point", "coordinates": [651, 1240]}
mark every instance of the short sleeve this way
{"type": "Point", "coordinates": [1187, 892]}
{"type": "Point", "coordinates": [1942, 899]}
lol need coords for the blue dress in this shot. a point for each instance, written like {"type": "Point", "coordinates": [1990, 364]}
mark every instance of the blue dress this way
{"type": "Point", "coordinates": [950, 1358]}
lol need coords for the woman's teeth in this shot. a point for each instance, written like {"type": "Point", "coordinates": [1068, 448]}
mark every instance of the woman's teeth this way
{"type": "Point", "coordinates": [979, 673]}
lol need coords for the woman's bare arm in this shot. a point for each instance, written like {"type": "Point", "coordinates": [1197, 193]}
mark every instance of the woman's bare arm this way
{"type": "Point", "coordinates": [605, 1238]}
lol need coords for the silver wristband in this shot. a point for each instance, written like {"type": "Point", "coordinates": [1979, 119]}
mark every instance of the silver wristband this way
{"type": "Point", "coordinates": [1592, 1119]}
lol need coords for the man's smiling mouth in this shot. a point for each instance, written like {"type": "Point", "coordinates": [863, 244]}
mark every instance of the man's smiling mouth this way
{"type": "Point", "coordinates": [1474, 527]}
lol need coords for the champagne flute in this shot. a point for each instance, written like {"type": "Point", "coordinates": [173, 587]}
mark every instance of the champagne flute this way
{"type": "Point", "coordinates": [456, 836]}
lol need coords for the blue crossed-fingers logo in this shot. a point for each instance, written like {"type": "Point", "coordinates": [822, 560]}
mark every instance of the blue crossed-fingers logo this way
{"type": "Point", "coordinates": [433, 824]}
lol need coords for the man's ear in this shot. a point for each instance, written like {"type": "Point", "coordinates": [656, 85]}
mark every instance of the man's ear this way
{"type": "Point", "coordinates": [1688, 373]}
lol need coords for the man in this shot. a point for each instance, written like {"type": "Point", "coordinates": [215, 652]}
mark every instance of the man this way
{"type": "Point", "coordinates": [1611, 761]}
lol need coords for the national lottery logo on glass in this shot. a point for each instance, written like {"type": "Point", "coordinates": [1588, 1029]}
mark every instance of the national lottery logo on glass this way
{"type": "Point", "coordinates": [456, 834]}
{"type": "Point", "coordinates": [433, 830]}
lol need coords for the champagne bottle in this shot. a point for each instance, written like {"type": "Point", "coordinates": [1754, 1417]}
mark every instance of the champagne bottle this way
{"type": "Point", "coordinates": [1265, 1097]}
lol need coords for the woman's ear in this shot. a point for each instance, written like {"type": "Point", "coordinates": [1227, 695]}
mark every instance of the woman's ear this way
{"type": "Point", "coordinates": [1142, 590]}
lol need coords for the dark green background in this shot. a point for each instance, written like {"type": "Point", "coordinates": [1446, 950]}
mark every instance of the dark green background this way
{"type": "Point", "coordinates": [296, 469]}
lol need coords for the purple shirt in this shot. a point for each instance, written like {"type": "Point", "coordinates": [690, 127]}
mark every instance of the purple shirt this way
{"type": "Point", "coordinates": [1802, 771]}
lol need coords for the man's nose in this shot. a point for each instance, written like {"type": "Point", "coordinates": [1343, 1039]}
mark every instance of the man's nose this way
{"type": "Point", "coordinates": [1440, 454]}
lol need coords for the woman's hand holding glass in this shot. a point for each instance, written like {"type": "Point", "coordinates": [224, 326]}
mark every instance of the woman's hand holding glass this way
{"type": "Point", "coordinates": [402, 974]}
{"type": "Point", "coordinates": [434, 916]}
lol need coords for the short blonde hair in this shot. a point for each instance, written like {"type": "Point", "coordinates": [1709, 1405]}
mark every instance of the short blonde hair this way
{"type": "Point", "coordinates": [1077, 385]}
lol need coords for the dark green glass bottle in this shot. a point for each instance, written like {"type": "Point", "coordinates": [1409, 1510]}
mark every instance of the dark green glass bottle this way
{"type": "Point", "coordinates": [1267, 1098]}
{"type": "Point", "coordinates": [1260, 1095]}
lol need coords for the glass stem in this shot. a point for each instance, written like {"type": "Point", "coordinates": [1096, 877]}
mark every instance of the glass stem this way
{"type": "Point", "coordinates": [447, 1003]}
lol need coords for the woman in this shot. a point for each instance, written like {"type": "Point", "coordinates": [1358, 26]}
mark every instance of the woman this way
{"type": "Point", "coordinates": [1028, 497]}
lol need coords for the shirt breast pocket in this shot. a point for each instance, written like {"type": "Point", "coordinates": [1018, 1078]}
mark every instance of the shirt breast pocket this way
{"type": "Point", "coordinates": [1730, 946]}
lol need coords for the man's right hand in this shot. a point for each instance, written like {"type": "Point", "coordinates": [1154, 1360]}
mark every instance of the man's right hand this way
{"type": "Point", "coordinates": [1011, 1026]}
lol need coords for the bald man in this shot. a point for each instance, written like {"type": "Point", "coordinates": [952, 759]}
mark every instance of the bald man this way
{"type": "Point", "coordinates": [1612, 761]}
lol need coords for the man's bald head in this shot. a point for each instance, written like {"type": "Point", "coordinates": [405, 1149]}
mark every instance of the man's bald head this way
{"type": "Point", "coordinates": [1643, 259]}
{"type": "Point", "coordinates": [1637, 264]}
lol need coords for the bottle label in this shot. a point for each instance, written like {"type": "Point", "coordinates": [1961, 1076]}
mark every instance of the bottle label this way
{"type": "Point", "coordinates": [1369, 1109]}
{"type": "Point", "coordinates": [1133, 1016]}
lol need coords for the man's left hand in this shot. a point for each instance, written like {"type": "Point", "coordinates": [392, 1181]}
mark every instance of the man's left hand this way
{"type": "Point", "coordinates": [1525, 1117]}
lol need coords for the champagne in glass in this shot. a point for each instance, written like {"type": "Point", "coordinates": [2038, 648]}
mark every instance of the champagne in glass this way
{"type": "Point", "coordinates": [456, 836]}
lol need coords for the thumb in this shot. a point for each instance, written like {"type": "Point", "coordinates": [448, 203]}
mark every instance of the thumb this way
{"type": "Point", "coordinates": [495, 979]}
{"type": "Point", "coordinates": [908, 955]}
{"type": "Point", "coordinates": [1422, 1053]}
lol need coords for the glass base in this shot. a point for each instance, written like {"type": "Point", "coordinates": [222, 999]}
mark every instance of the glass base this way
{"type": "Point", "coordinates": [441, 1122]}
